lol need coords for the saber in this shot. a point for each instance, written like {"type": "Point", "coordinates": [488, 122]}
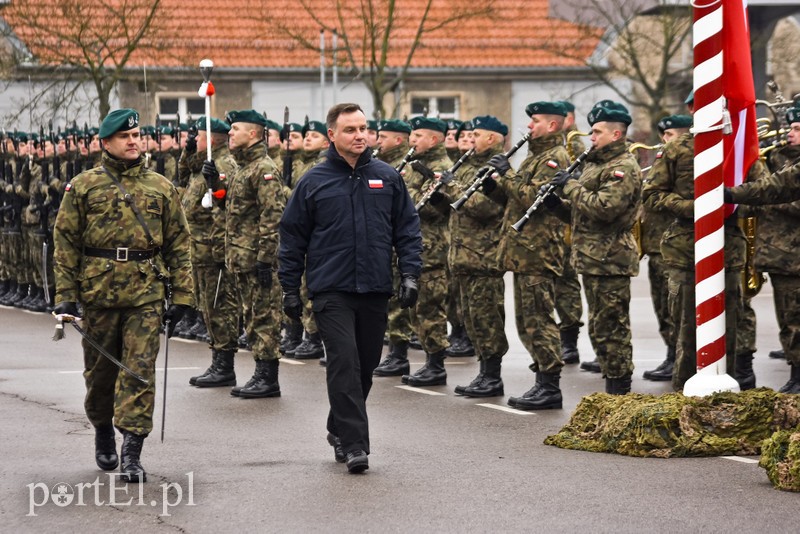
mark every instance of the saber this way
{"type": "Point", "coordinates": [44, 271]}
{"type": "Point", "coordinates": [216, 291]}
{"type": "Point", "coordinates": [166, 366]}
{"type": "Point", "coordinates": [73, 321]}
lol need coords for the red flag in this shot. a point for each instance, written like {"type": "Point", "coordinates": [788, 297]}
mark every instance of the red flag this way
{"type": "Point", "coordinates": [741, 146]}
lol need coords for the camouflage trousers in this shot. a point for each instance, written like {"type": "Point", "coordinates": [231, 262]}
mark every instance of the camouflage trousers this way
{"type": "Point", "coordinates": [534, 304]}
{"type": "Point", "coordinates": [787, 308]}
{"type": "Point", "coordinates": [659, 294]}
{"type": "Point", "coordinates": [398, 326]}
{"type": "Point", "coordinates": [684, 319]}
{"type": "Point", "coordinates": [12, 254]}
{"type": "Point", "coordinates": [25, 266]}
{"type": "Point", "coordinates": [35, 251]}
{"type": "Point", "coordinates": [746, 329]}
{"type": "Point", "coordinates": [130, 335]}
{"type": "Point", "coordinates": [568, 296]}
{"type": "Point", "coordinates": [484, 314]}
{"type": "Point", "coordinates": [609, 299]}
{"type": "Point", "coordinates": [429, 316]}
{"type": "Point", "coordinates": [261, 310]}
{"type": "Point", "coordinates": [454, 315]}
{"type": "Point", "coordinates": [221, 320]}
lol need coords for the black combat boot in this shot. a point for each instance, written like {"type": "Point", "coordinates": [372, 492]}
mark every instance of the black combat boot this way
{"type": "Point", "coordinates": [33, 294]}
{"type": "Point", "coordinates": [776, 354]}
{"type": "Point", "coordinates": [4, 287]}
{"type": "Point", "coordinates": [293, 337]}
{"type": "Point", "coordinates": [243, 342]}
{"type": "Point", "coordinates": [492, 384]}
{"type": "Point", "coordinates": [475, 381]}
{"type": "Point", "coordinates": [569, 345]}
{"type": "Point", "coordinates": [105, 447]}
{"type": "Point", "coordinates": [266, 381]}
{"type": "Point", "coordinates": [214, 357]}
{"type": "Point", "coordinates": [9, 294]}
{"type": "Point", "coordinates": [743, 371]}
{"type": "Point", "coordinates": [414, 342]}
{"type": "Point", "coordinates": [38, 303]}
{"type": "Point", "coordinates": [19, 296]}
{"type": "Point", "coordinates": [618, 386]}
{"type": "Point", "coordinates": [31, 289]}
{"type": "Point", "coordinates": [592, 366]}
{"type": "Point", "coordinates": [130, 467]}
{"type": "Point", "coordinates": [544, 395]}
{"type": "Point", "coordinates": [310, 348]}
{"type": "Point", "coordinates": [664, 371]}
{"type": "Point", "coordinates": [460, 346]}
{"type": "Point", "coordinates": [430, 374]}
{"type": "Point", "coordinates": [221, 374]}
{"type": "Point", "coordinates": [793, 385]}
{"type": "Point", "coordinates": [185, 324]}
{"type": "Point", "coordinates": [395, 363]}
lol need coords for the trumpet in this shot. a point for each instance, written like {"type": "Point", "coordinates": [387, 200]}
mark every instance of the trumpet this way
{"type": "Point", "coordinates": [485, 172]}
{"type": "Point", "coordinates": [438, 183]}
{"type": "Point", "coordinates": [406, 159]}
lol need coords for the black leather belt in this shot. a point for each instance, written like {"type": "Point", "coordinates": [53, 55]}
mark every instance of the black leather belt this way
{"type": "Point", "coordinates": [121, 253]}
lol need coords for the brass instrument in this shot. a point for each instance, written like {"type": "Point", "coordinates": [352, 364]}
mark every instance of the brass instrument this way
{"type": "Point", "coordinates": [568, 143]}
{"type": "Point", "coordinates": [637, 225]}
{"type": "Point", "coordinates": [752, 280]}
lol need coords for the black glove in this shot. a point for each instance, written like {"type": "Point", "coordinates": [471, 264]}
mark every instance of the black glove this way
{"type": "Point", "coordinates": [264, 272]}
{"type": "Point", "coordinates": [446, 177]}
{"type": "Point", "coordinates": [173, 315]}
{"type": "Point", "coordinates": [408, 291]}
{"type": "Point", "coordinates": [210, 173]}
{"type": "Point", "coordinates": [436, 197]}
{"type": "Point", "coordinates": [66, 308]}
{"type": "Point", "coordinates": [500, 162]}
{"type": "Point", "coordinates": [561, 178]}
{"type": "Point", "coordinates": [292, 305]}
{"type": "Point", "coordinates": [551, 201]}
{"type": "Point", "coordinates": [727, 196]}
{"type": "Point", "coordinates": [191, 145]}
{"type": "Point", "coordinates": [488, 185]}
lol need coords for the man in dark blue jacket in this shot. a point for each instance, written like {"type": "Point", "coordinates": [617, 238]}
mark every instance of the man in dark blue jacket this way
{"type": "Point", "coordinates": [340, 226]}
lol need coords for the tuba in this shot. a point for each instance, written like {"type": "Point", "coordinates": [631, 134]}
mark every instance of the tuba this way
{"type": "Point", "coordinates": [568, 143]}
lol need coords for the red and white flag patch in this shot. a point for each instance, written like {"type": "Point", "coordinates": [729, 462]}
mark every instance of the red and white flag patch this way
{"type": "Point", "coordinates": [619, 174]}
{"type": "Point", "coordinates": [222, 176]}
{"type": "Point", "coordinates": [267, 177]}
{"type": "Point", "coordinates": [68, 187]}
{"type": "Point", "coordinates": [659, 154]}
{"type": "Point", "coordinates": [375, 184]}
{"type": "Point", "coordinates": [552, 164]}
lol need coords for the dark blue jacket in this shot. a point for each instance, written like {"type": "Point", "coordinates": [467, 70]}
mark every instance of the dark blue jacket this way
{"type": "Point", "coordinates": [341, 224]}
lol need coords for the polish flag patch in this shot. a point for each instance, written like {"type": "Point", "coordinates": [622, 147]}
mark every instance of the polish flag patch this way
{"type": "Point", "coordinates": [68, 187]}
{"type": "Point", "coordinates": [659, 154]}
{"type": "Point", "coordinates": [375, 184]}
{"type": "Point", "coordinates": [222, 176]}
{"type": "Point", "coordinates": [552, 164]}
{"type": "Point", "coordinates": [619, 174]}
{"type": "Point", "coordinates": [267, 177]}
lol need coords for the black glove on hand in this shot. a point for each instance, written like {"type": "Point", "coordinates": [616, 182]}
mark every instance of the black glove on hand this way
{"type": "Point", "coordinates": [500, 162]}
{"type": "Point", "coordinates": [551, 201]}
{"type": "Point", "coordinates": [561, 178]}
{"type": "Point", "coordinates": [727, 196]}
{"type": "Point", "coordinates": [408, 291]}
{"type": "Point", "coordinates": [264, 272]}
{"type": "Point", "coordinates": [292, 305]}
{"type": "Point", "coordinates": [436, 198]}
{"type": "Point", "coordinates": [210, 173]}
{"type": "Point", "coordinates": [191, 145]}
{"type": "Point", "coordinates": [173, 314]}
{"type": "Point", "coordinates": [66, 308]}
{"type": "Point", "coordinates": [488, 185]}
{"type": "Point", "coordinates": [446, 177]}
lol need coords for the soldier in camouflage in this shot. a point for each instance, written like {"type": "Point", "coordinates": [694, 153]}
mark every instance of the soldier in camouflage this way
{"type": "Point", "coordinates": [451, 139]}
{"type": "Point", "coordinates": [254, 202]}
{"type": "Point", "coordinates": [536, 254]}
{"type": "Point", "coordinates": [604, 204]}
{"type": "Point", "coordinates": [119, 234]}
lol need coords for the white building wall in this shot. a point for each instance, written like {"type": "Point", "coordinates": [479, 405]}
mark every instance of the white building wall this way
{"type": "Point", "coordinates": [305, 98]}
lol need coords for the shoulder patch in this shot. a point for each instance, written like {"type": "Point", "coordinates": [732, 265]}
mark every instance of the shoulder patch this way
{"type": "Point", "coordinates": [619, 174]}
{"type": "Point", "coordinates": [375, 184]}
{"type": "Point", "coordinates": [267, 177]}
{"type": "Point", "coordinates": [552, 164]}
{"type": "Point", "coordinates": [222, 176]}
{"type": "Point", "coordinates": [659, 154]}
{"type": "Point", "coordinates": [68, 187]}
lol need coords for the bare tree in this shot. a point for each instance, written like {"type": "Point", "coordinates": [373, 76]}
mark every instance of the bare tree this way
{"type": "Point", "coordinates": [377, 38]}
{"type": "Point", "coordinates": [79, 41]}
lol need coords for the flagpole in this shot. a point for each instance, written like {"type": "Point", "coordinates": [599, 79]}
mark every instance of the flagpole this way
{"type": "Point", "coordinates": [709, 122]}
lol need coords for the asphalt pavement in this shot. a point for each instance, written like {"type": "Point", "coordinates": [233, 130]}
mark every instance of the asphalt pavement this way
{"type": "Point", "coordinates": [439, 462]}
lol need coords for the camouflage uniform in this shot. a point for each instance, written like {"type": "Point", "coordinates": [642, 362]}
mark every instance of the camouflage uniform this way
{"type": "Point", "coordinates": [535, 255]}
{"type": "Point", "coordinates": [604, 204]}
{"type": "Point", "coordinates": [207, 227]}
{"type": "Point", "coordinates": [122, 300]}
{"type": "Point", "coordinates": [255, 200]}
{"type": "Point", "coordinates": [429, 316]}
{"type": "Point", "coordinates": [670, 188]}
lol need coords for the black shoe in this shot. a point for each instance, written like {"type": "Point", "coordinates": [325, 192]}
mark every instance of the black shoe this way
{"type": "Point", "coordinates": [618, 386]}
{"type": "Point", "coordinates": [663, 372]}
{"type": "Point", "coordinates": [592, 366]}
{"type": "Point", "coordinates": [105, 447]}
{"type": "Point", "coordinates": [242, 341]}
{"type": "Point", "coordinates": [491, 385]}
{"type": "Point", "coordinates": [414, 343]}
{"type": "Point", "coordinates": [338, 453]}
{"type": "Point", "coordinates": [459, 390]}
{"type": "Point", "coordinates": [460, 344]}
{"type": "Point", "coordinates": [236, 389]}
{"type": "Point", "coordinates": [569, 345]}
{"type": "Point", "coordinates": [793, 385]}
{"type": "Point", "coordinates": [266, 381]}
{"type": "Point", "coordinates": [357, 461]}
{"type": "Point", "coordinates": [293, 337]}
{"type": "Point", "coordinates": [221, 375]}
{"type": "Point", "coordinates": [544, 395]}
{"type": "Point", "coordinates": [395, 363]}
{"type": "Point", "coordinates": [743, 371]}
{"type": "Point", "coordinates": [777, 354]}
{"type": "Point", "coordinates": [130, 467]}
{"type": "Point", "coordinates": [310, 349]}
{"type": "Point", "coordinates": [211, 368]}
{"type": "Point", "coordinates": [431, 374]}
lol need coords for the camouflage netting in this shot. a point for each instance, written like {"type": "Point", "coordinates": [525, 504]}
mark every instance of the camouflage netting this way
{"type": "Point", "coordinates": [672, 425]}
{"type": "Point", "coordinates": [780, 456]}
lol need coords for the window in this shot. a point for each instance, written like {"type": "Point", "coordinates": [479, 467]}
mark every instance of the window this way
{"type": "Point", "coordinates": [169, 105]}
{"type": "Point", "coordinates": [442, 106]}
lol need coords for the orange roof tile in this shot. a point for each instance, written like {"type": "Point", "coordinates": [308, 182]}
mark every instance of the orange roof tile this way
{"type": "Point", "coordinates": [232, 34]}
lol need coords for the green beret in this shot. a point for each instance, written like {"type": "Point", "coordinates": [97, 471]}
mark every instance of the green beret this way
{"type": "Point", "coordinates": [217, 126]}
{"type": "Point", "coordinates": [609, 111]}
{"type": "Point", "coordinates": [167, 130]}
{"type": "Point", "coordinates": [292, 127]}
{"type": "Point", "coordinates": [250, 116]}
{"type": "Point", "coordinates": [315, 126]}
{"type": "Point", "coordinates": [394, 125]}
{"type": "Point", "coordinates": [674, 121]}
{"type": "Point", "coordinates": [272, 125]}
{"type": "Point", "coordinates": [372, 125]}
{"type": "Point", "coordinates": [119, 120]}
{"type": "Point", "coordinates": [93, 131]}
{"type": "Point", "coordinates": [21, 137]}
{"type": "Point", "coordinates": [147, 130]}
{"type": "Point", "coordinates": [569, 106]}
{"type": "Point", "coordinates": [793, 115]}
{"type": "Point", "coordinates": [428, 123]}
{"type": "Point", "coordinates": [546, 108]}
{"type": "Point", "coordinates": [487, 122]}
{"type": "Point", "coordinates": [466, 126]}
{"type": "Point", "coordinates": [453, 124]}
{"type": "Point", "coordinates": [689, 99]}
{"type": "Point", "coordinates": [184, 127]}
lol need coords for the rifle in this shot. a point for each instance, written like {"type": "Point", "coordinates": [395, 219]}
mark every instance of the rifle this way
{"type": "Point", "coordinates": [160, 163]}
{"type": "Point", "coordinates": [485, 172]}
{"type": "Point", "coordinates": [56, 159]}
{"type": "Point", "coordinates": [548, 190]}
{"type": "Point", "coordinates": [441, 181]}
{"type": "Point", "coordinates": [405, 160]}
{"type": "Point", "coordinates": [288, 156]}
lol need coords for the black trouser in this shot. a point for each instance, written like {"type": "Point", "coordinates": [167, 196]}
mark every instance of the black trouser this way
{"type": "Point", "coordinates": [351, 326]}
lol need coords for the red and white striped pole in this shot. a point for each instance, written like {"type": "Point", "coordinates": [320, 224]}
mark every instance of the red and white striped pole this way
{"type": "Point", "coordinates": [709, 235]}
